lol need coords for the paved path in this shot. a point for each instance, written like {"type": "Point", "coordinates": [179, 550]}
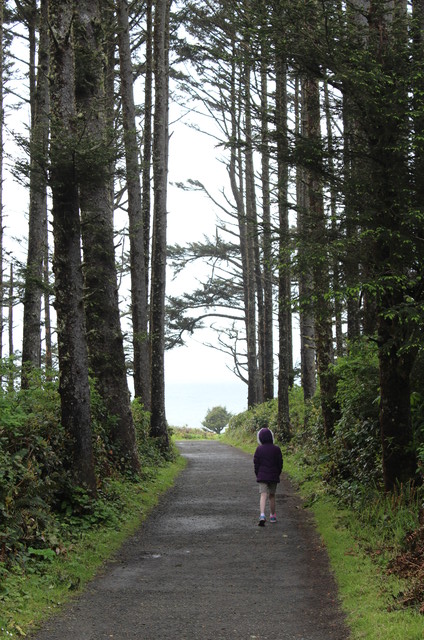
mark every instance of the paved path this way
{"type": "Point", "coordinates": [201, 569]}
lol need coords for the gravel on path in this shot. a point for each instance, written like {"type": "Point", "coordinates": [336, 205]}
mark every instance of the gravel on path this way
{"type": "Point", "coordinates": [200, 568]}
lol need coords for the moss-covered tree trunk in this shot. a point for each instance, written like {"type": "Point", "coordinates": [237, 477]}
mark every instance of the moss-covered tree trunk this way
{"type": "Point", "coordinates": [105, 340]}
{"type": "Point", "coordinates": [39, 98]}
{"type": "Point", "coordinates": [73, 362]}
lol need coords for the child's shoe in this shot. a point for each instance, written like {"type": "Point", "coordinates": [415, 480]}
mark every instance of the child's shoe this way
{"type": "Point", "coordinates": [262, 521]}
{"type": "Point", "coordinates": [273, 517]}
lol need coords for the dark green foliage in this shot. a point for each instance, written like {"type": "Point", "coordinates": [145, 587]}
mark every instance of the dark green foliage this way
{"type": "Point", "coordinates": [248, 423]}
{"type": "Point", "coordinates": [356, 448]}
{"type": "Point", "coordinates": [31, 464]}
{"type": "Point", "coordinates": [148, 450]}
{"type": "Point", "coordinates": [417, 406]}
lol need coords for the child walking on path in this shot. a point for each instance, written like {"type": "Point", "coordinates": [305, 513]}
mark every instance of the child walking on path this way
{"type": "Point", "coordinates": [268, 463]}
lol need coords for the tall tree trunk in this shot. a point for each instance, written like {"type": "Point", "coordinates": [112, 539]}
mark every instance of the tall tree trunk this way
{"type": "Point", "coordinates": [31, 343]}
{"type": "Point", "coordinates": [147, 137]}
{"type": "Point", "coordinates": [105, 340]}
{"type": "Point", "coordinates": [268, 322]}
{"type": "Point", "coordinates": [235, 171]}
{"type": "Point", "coordinates": [418, 51]}
{"type": "Point", "coordinates": [158, 425]}
{"type": "Point", "coordinates": [47, 316]}
{"type": "Point", "coordinates": [10, 382]}
{"type": "Point", "coordinates": [356, 172]}
{"type": "Point", "coordinates": [305, 277]}
{"type": "Point", "coordinates": [390, 199]}
{"type": "Point", "coordinates": [382, 127]}
{"type": "Point", "coordinates": [73, 362]}
{"type": "Point", "coordinates": [255, 291]}
{"type": "Point", "coordinates": [336, 271]}
{"type": "Point", "coordinates": [306, 289]}
{"type": "Point", "coordinates": [352, 173]}
{"type": "Point", "coordinates": [284, 316]}
{"type": "Point", "coordinates": [318, 235]}
{"type": "Point", "coordinates": [135, 214]}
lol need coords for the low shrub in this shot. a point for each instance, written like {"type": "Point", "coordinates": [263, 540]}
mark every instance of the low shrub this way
{"type": "Point", "coordinates": [190, 433]}
{"type": "Point", "coordinates": [248, 423]}
{"type": "Point", "coordinates": [32, 474]}
{"type": "Point", "coordinates": [350, 462]}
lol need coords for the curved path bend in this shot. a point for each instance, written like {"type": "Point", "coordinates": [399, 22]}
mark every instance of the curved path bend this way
{"type": "Point", "coordinates": [201, 569]}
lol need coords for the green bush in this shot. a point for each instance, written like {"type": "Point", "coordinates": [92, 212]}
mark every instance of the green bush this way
{"type": "Point", "coordinates": [248, 423]}
{"type": "Point", "coordinates": [190, 433]}
{"type": "Point", "coordinates": [141, 419]}
{"type": "Point", "coordinates": [32, 475]}
{"type": "Point", "coordinates": [297, 409]}
{"type": "Point", "coordinates": [350, 462]}
{"type": "Point", "coordinates": [417, 405]}
{"type": "Point", "coordinates": [148, 448]}
{"type": "Point", "coordinates": [356, 446]}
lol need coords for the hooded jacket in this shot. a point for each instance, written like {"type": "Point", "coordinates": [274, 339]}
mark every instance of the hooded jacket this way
{"type": "Point", "coordinates": [268, 459]}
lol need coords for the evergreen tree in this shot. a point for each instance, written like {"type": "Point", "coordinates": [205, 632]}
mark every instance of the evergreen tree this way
{"type": "Point", "coordinates": [216, 419]}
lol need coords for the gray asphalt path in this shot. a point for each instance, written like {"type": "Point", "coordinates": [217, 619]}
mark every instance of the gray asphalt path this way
{"type": "Point", "coordinates": [201, 568]}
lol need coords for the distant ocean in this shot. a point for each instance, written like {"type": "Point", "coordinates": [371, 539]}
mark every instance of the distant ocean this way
{"type": "Point", "coordinates": [187, 403]}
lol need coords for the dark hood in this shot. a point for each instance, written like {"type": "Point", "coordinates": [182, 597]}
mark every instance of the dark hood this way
{"type": "Point", "coordinates": [265, 436]}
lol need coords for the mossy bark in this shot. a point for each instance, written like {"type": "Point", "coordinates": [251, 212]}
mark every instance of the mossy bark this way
{"type": "Point", "coordinates": [72, 346]}
{"type": "Point", "coordinates": [105, 340]}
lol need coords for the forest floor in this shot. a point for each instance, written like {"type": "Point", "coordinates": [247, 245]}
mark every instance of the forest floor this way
{"type": "Point", "coordinates": [200, 568]}
{"type": "Point", "coordinates": [409, 565]}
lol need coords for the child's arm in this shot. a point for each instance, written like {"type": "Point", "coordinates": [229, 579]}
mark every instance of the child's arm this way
{"type": "Point", "coordinates": [280, 460]}
{"type": "Point", "coordinates": [256, 462]}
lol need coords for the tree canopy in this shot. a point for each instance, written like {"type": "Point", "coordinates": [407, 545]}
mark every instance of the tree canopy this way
{"type": "Point", "coordinates": [216, 419]}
